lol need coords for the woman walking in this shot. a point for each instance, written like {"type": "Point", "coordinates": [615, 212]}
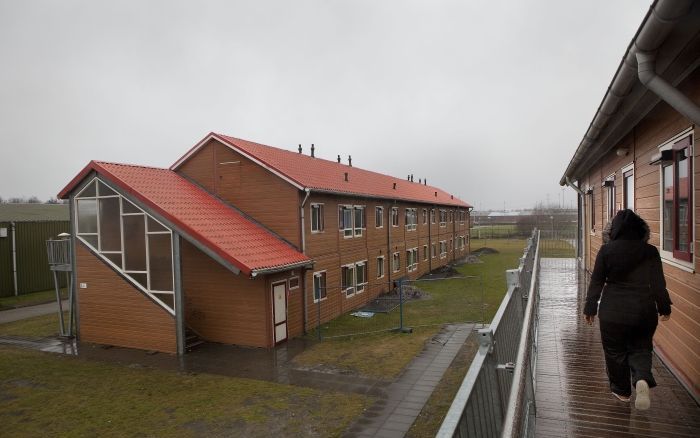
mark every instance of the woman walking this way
{"type": "Point", "coordinates": [629, 276]}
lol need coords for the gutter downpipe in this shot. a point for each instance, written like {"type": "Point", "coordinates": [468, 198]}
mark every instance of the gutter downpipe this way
{"type": "Point", "coordinates": [646, 64]}
{"type": "Point", "coordinates": [303, 251]}
{"type": "Point", "coordinates": [14, 259]}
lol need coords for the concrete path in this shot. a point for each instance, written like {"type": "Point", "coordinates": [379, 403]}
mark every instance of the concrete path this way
{"type": "Point", "coordinates": [393, 416]}
{"type": "Point", "coordinates": [30, 311]}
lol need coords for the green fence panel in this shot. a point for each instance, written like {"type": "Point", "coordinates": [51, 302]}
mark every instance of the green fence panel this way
{"type": "Point", "coordinates": [33, 273]}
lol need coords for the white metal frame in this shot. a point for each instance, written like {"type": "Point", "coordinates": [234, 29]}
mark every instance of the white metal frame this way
{"type": "Point", "coordinates": [319, 208]}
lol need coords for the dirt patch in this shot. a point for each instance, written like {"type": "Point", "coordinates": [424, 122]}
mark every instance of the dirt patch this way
{"type": "Point", "coordinates": [389, 301]}
{"type": "Point", "coordinates": [485, 250]}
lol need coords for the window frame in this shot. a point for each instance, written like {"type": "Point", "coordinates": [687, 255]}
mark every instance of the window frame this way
{"type": "Point", "coordinates": [396, 262]}
{"type": "Point", "coordinates": [425, 253]}
{"type": "Point", "coordinates": [344, 288]}
{"type": "Point", "coordinates": [443, 217]}
{"type": "Point", "coordinates": [319, 274]}
{"type": "Point", "coordinates": [609, 186]}
{"type": "Point", "coordinates": [627, 172]}
{"type": "Point", "coordinates": [394, 217]}
{"type": "Point", "coordinates": [411, 221]}
{"type": "Point", "coordinates": [676, 256]}
{"type": "Point", "coordinates": [378, 216]}
{"type": "Point", "coordinates": [380, 267]}
{"type": "Point", "coordinates": [412, 259]}
{"type": "Point", "coordinates": [289, 282]}
{"type": "Point", "coordinates": [317, 209]}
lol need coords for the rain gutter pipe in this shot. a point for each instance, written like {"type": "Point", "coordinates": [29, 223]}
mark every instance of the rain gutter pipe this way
{"type": "Point", "coordinates": [303, 251]}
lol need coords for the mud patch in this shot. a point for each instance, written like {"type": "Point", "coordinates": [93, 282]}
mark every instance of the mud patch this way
{"type": "Point", "coordinates": [484, 251]}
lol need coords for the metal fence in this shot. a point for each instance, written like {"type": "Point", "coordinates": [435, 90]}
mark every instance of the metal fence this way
{"type": "Point", "coordinates": [497, 394]}
{"type": "Point", "coordinates": [437, 299]}
{"type": "Point", "coordinates": [558, 243]}
{"type": "Point", "coordinates": [23, 259]}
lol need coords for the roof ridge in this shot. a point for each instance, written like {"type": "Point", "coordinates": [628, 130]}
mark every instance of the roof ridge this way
{"type": "Point", "coordinates": [112, 163]}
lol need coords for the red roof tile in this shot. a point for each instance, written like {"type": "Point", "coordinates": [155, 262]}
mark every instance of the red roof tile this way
{"type": "Point", "coordinates": [320, 174]}
{"type": "Point", "coordinates": [219, 227]}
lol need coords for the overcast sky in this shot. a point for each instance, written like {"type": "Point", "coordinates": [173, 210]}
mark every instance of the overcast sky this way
{"type": "Point", "coordinates": [487, 100]}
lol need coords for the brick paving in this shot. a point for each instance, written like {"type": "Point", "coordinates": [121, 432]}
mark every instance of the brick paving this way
{"type": "Point", "coordinates": [391, 416]}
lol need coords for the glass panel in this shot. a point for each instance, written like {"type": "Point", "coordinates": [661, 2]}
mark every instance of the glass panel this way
{"type": "Point", "coordinates": [160, 261]}
{"type": "Point", "coordinates": [348, 278]}
{"type": "Point", "coordinates": [128, 207]}
{"type": "Point", "coordinates": [134, 243]}
{"type": "Point", "coordinates": [90, 190]}
{"type": "Point", "coordinates": [87, 216]}
{"type": "Point", "coordinates": [628, 188]}
{"type": "Point", "coordinates": [154, 225]}
{"type": "Point", "coordinates": [110, 232]}
{"type": "Point", "coordinates": [683, 199]}
{"type": "Point", "coordinates": [106, 191]}
{"type": "Point", "coordinates": [92, 240]}
{"type": "Point", "coordinates": [139, 278]}
{"type": "Point", "coordinates": [320, 286]}
{"type": "Point", "coordinates": [167, 299]}
{"type": "Point", "coordinates": [668, 195]}
{"type": "Point", "coordinates": [115, 258]}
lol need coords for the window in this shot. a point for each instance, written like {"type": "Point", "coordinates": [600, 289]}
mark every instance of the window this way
{"type": "Point", "coordinates": [411, 219]}
{"type": "Point", "coordinates": [380, 267]}
{"type": "Point", "coordinates": [351, 220]}
{"type": "Point", "coordinates": [432, 215]}
{"type": "Point", "coordinates": [628, 187]}
{"type": "Point", "coordinates": [462, 215]}
{"type": "Point", "coordinates": [412, 259]}
{"type": "Point", "coordinates": [609, 188]}
{"type": "Point", "coordinates": [345, 220]}
{"type": "Point", "coordinates": [347, 280]}
{"type": "Point", "coordinates": [395, 262]}
{"type": "Point", "coordinates": [433, 251]}
{"type": "Point", "coordinates": [294, 283]}
{"type": "Point", "coordinates": [360, 276]}
{"type": "Point", "coordinates": [443, 218]}
{"type": "Point", "coordinates": [676, 211]}
{"type": "Point", "coordinates": [452, 216]}
{"type": "Point", "coordinates": [394, 217]}
{"type": "Point", "coordinates": [425, 216]}
{"type": "Point", "coordinates": [591, 208]}
{"type": "Point", "coordinates": [316, 218]}
{"type": "Point", "coordinates": [131, 241]}
{"type": "Point", "coordinates": [359, 220]}
{"type": "Point", "coordinates": [450, 246]}
{"type": "Point", "coordinates": [379, 217]}
{"type": "Point", "coordinates": [425, 252]}
{"type": "Point", "coordinates": [319, 286]}
{"type": "Point", "coordinates": [443, 249]}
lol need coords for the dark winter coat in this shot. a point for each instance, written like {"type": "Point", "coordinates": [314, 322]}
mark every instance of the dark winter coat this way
{"type": "Point", "coordinates": [629, 275]}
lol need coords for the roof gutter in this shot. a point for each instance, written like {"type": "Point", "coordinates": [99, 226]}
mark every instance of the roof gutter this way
{"type": "Point", "coordinates": [255, 272]}
{"type": "Point", "coordinates": [658, 23]}
{"type": "Point", "coordinates": [574, 186]}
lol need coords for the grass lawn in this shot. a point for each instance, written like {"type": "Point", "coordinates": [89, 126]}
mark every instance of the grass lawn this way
{"type": "Point", "coordinates": [32, 299]}
{"type": "Point", "coordinates": [45, 394]}
{"type": "Point", "coordinates": [38, 326]}
{"type": "Point", "coordinates": [450, 301]}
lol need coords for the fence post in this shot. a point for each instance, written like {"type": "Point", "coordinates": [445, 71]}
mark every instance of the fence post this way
{"type": "Point", "coordinates": [401, 305]}
{"type": "Point", "coordinates": [318, 321]}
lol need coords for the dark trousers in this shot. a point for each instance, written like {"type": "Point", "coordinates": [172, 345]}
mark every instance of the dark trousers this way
{"type": "Point", "coordinates": [627, 351]}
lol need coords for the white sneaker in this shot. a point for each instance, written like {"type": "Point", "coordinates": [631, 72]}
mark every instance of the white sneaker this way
{"type": "Point", "coordinates": [642, 401]}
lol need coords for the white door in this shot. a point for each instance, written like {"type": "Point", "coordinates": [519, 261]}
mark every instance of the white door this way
{"type": "Point", "coordinates": [279, 304]}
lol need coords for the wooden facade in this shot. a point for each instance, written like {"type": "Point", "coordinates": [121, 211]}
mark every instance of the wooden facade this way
{"type": "Point", "coordinates": [677, 341]}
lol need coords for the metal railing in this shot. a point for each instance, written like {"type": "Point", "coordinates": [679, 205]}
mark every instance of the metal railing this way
{"type": "Point", "coordinates": [59, 257]}
{"type": "Point", "coordinates": [487, 403]}
{"type": "Point", "coordinates": [58, 252]}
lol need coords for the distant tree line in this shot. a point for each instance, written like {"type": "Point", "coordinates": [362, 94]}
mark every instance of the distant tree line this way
{"type": "Point", "coordinates": [546, 219]}
{"type": "Point", "coordinates": [29, 200]}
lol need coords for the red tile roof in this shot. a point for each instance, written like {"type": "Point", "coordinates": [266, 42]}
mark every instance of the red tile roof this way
{"type": "Point", "coordinates": [246, 245]}
{"type": "Point", "coordinates": [324, 175]}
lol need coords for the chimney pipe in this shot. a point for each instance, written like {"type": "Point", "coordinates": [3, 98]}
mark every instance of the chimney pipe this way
{"type": "Point", "coordinates": [425, 182]}
{"type": "Point", "coordinates": [394, 186]}
{"type": "Point", "coordinates": [312, 150]}
{"type": "Point", "coordinates": [420, 181]}
{"type": "Point", "coordinates": [338, 158]}
{"type": "Point", "coordinates": [350, 160]}
{"type": "Point", "coordinates": [411, 177]}
{"type": "Point", "coordinates": [299, 148]}
{"type": "Point", "coordinates": [346, 176]}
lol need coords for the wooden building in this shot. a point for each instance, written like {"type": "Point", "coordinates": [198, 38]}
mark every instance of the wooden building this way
{"type": "Point", "coordinates": [639, 153]}
{"type": "Point", "coordinates": [237, 241]}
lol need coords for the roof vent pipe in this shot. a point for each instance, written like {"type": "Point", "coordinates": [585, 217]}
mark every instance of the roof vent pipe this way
{"type": "Point", "coordinates": [425, 182]}
{"type": "Point", "coordinates": [312, 150]}
{"type": "Point", "coordinates": [350, 160]}
{"type": "Point", "coordinates": [346, 176]}
{"type": "Point", "coordinates": [679, 101]}
{"type": "Point", "coordinates": [394, 186]}
{"type": "Point", "coordinates": [299, 148]}
{"type": "Point", "coordinates": [411, 177]}
{"type": "Point", "coordinates": [420, 181]}
{"type": "Point", "coordinates": [338, 158]}
{"type": "Point", "coordinates": [436, 194]}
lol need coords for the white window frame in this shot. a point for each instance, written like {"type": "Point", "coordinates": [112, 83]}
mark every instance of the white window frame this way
{"type": "Point", "coordinates": [348, 290]}
{"type": "Point", "coordinates": [425, 253]}
{"type": "Point", "coordinates": [610, 206]}
{"type": "Point", "coordinates": [358, 229]}
{"type": "Point", "coordinates": [360, 287]}
{"type": "Point", "coordinates": [320, 298]}
{"type": "Point", "coordinates": [443, 249]}
{"type": "Point", "coordinates": [348, 229]}
{"type": "Point", "coordinates": [394, 216]}
{"type": "Point", "coordinates": [380, 267]}
{"type": "Point", "coordinates": [289, 286]}
{"type": "Point", "coordinates": [443, 217]}
{"type": "Point", "coordinates": [378, 217]}
{"type": "Point", "coordinates": [396, 262]}
{"type": "Point", "coordinates": [317, 208]}
{"type": "Point", "coordinates": [425, 216]}
{"type": "Point", "coordinates": [411, 219]}
{"type": "Point", "coordinates": [433, 250]}
{"type": "Point", "coordinates": [412, 259]}
{"type": "Point", "coordinates": [628, 196]}
{"type": "Point", "coordinates": [667, 256]}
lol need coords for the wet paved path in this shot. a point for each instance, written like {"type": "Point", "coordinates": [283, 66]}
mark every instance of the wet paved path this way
{"type": "Point", "coordinates": [573, 398]}
{"type": "Point", "coordinates": [393, 415]}
{"type": "Point", "coordinates": [30, 311]}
